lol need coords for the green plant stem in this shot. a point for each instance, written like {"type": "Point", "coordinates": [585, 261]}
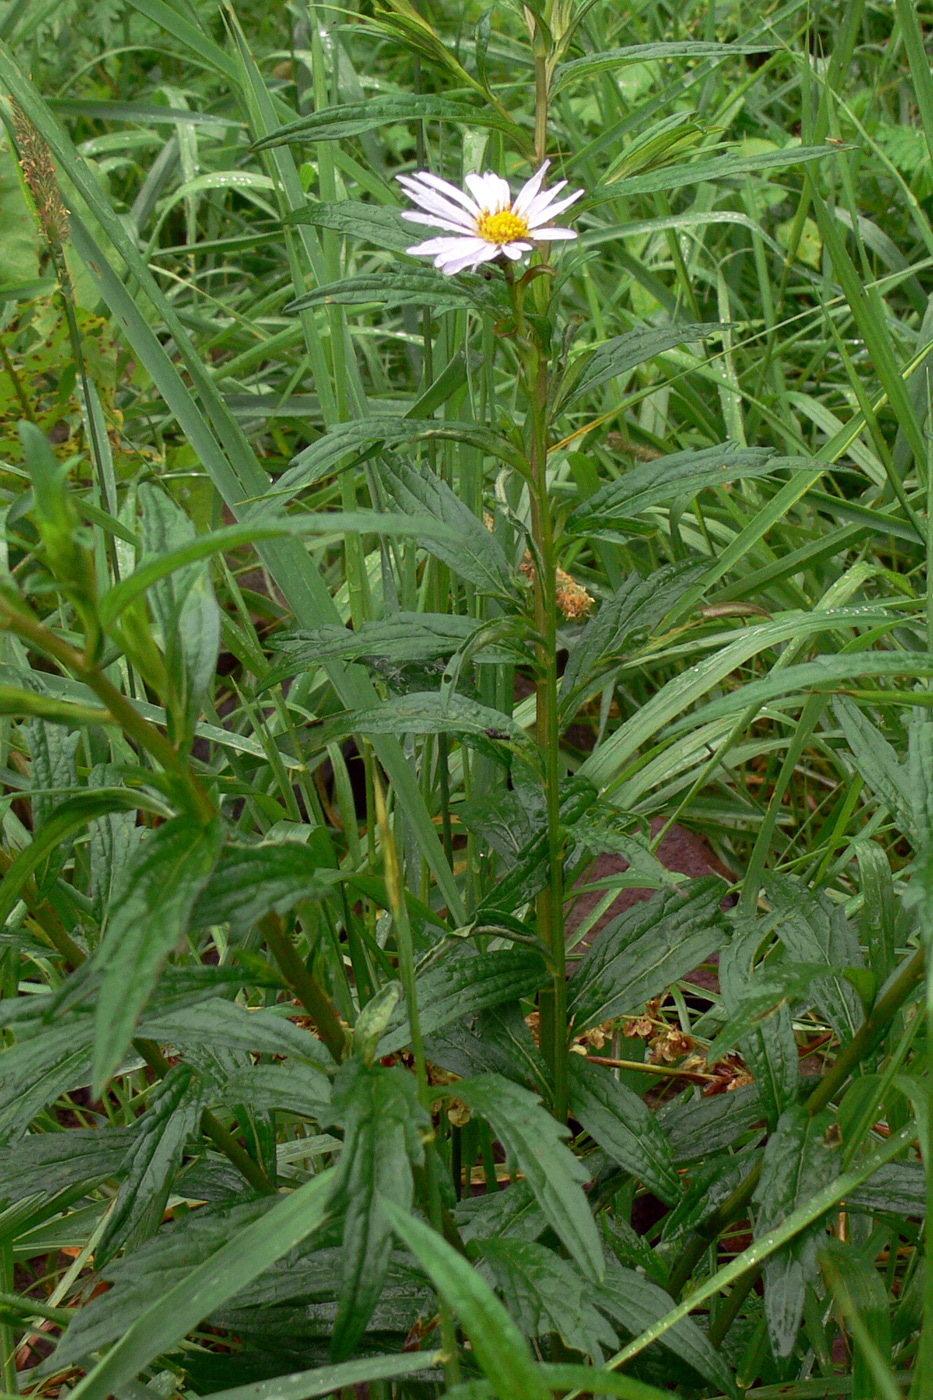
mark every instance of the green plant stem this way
{"type": "Point", "coordinates": [550, 902]}
{"type": "Point", "coordinates": [312, 997]}
{"type": "Point", "coordinates": [861, 1044]}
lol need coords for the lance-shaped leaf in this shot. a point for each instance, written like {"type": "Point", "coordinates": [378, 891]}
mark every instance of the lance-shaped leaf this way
{"type": "Point", "coordinates": [409, 286]}
{"type": "Point", "coordinates": [638, 605]}
{"type": "Point", "coordinates": [147, 917]}
{"type": "Point", "coordinates": [43, 1062]}
{"type": "Point", "coordinates": [407, 636]}
{"type": "Point", "coordinates": [593, 368]}
{"type": "Point", "coordinates": [224, 1025]}
{"type": "Point", "coordinates": [49, 1162]}
{"type": "Point", "coordinates": [383, 1125]}
{"type": "Point", "coordinates": [171, 1313]}
{"type": "Point", "coordinates": [498, 1345]}
{"type": "Point", "coordinates": [645, 949]}
{"type": "Point", "coordinates": [547, 1294]}
{"type": "Point", "coordinates": [682, 474]}
{"type": "Point", "coordinates": [636, 1303]}
{"type": "Point", "coordinates": [477, 556]}
{"type": "Point", "coordinates": [348, 444]}
{"type": "Point", "coordinates": [464, 985]}
{"type": "Point", "coordinates": [801, 1157]}
{"type": "Point", "coordinates": [609, 59]}
{"type": "Point", "coordinates": [351, 118]}
{"type": "Point", "coordinates": [624, 1126]}
{"type": "Point", "coordinates": [532, 1137]}
{"type": "Point", "coordinates": [428, 712]}
{"type": "Point", "coordinates": [250, 881]}
{"type": "Point", "coordinates": [169, 1121]}
{"type": "Point", "coordinates": [813, 931]}
{"type": "Point", "coordinates": [675, 177]}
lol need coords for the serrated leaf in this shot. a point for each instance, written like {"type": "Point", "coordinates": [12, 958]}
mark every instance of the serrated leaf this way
{"type": "Point", "coordinates": [877, 761]}
{"type": "Point", "coordinates": [704, 1127]}
{"type": "Point", "coordinates": [52, 755]}
{"type": "Point", "coordinates": [405, 637]}
{"type": "Point", "coordinates": [683, 474]}
{"type": "Point", "coordinates": [171, 1117]}
{"type": "Point", "coordinates": [346, 119]}
{"type": "Point", "coordinates": [533, 1139]}
{"type": "Point", "coordinates": [801, 1158]}
{"type": "Point", "coordinates": [477, 556]}
{"type": "Point", "coordinates": [429, 712]}
{"type": "Point", "coordinates": [48, 1162]}
{"type": "Point", "coordinates": [463, 985]}
{"type": "Point", "coordinates": [813, 931]}
{"type": "Point", "coordinates": [898, 1189]}
{"type": "Point", "coordinates": [384, 1125]}
{"type": "Point", "coordinates": [636, 1304]}
{"type": "Point", "coordinates": [624, 1126]}
{"type": "Point", "coordinates": [347, 444]}
{"type": "Point", "coordinates": [249, 882]}
{"type": "Point", "coordinates": [146, 919]}
{"type": "Point", "coordinates": [593, 368]}
{"type": "Point", "coordinates": [113, 838]}
{"type": "Point", "coordinates": [640, 603]}
{"type": "Point", "coordinates": [43, 1062]}
{"type": "Point", "coordinates": [294, 1086]}
{"type": "Point", "coordinates": [165, 1321]}
{"type": "Point", "coordinates": [645, 949]}
{"type": "Point", "coordinates": [498, 1345]}
{"type": "Point", "coordinates": [497, 1040]}
{"type": "Point", "coordinates": [219, 1024]}
{"type": "Point", "coordinates": [546, 1294]}
{"type": "Point", "coordinates": [510, 1213]}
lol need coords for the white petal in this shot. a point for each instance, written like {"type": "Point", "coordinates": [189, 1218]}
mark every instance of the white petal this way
{"type": "Point", "coordinates": [436, 204]}
{"type": "Point", "coordinates": [415, 216]}
{"type": "Point", "coordinates": [490, 191]}
{"type": "Point", "coordinates": [529, 190]}
{"type": "Point", "coordinates": [449, 191]}
{"type": "Point", "coordinates": [481, 254]}
{"type": "Point", "coordinates": [515, 250]}
{"type": "Point", "coordinates": [543, 235]}
{"type": "Point", "coordinates": [541, 201]}
{"type": "Point", "coordinates": [439, 245]}
{"type": "Point", "coordinates": [554, 209]}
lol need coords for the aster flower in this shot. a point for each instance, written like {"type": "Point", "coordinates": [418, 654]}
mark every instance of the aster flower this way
{"type": "Point", "coordinates": [486, 222]}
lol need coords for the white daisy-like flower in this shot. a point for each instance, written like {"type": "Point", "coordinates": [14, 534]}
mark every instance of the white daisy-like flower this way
{"type": "Point", "coordinates": [486, 222]}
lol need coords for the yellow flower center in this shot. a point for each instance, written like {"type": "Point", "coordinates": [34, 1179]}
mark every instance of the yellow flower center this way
{"type": "Point", "coordinates": [502, 227]}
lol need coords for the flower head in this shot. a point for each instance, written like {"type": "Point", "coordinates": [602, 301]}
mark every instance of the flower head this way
{"type": "Point", "coordinates": [485, 222]}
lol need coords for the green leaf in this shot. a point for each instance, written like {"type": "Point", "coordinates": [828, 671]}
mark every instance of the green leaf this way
{"type": "Point", "coordinates": [327, 1380]}
{"type": "Point", "coordinates": [428, 712]}
{"type": "Point", "coordinates": [704, 1127]}
{"type": "Point", "coordinates": [249, 882]}
{"type": "Point", "coordinates": [608, 59]}
{"type": "Point", "coordinates": [683, 474]}
{"type": "Point", "coordinates": [813, 931]}
{"type": "Point", "coordinates": [384, 1126]}
{"type": "Point", "coordinates": [183, 604]}
{"type": "Point", "coordinates": [593, 368]}
{"type": "Point", "coordinates": [352, 118]}
{"type": "Point", "coordinates": [348, 444]}
{"type": "Point", "coordinates": [464, 984]}
{"type": "Point", "coordinates": [499, 1347]}
{"type": "Point", "coordinates": [173, 1313]}
{"type": "Point", "coordinates": [637, 605]}
{"type": "Point", "coordinates": [636, 1304]}
{"type": "Point", "coordinates": [171, 1118]}
{"type": "Point", "coordinates": [801, 1157]}
{"type": "Point", "coordinates": [43, 1062]}
{"type": "Point", "coordinates": [770, 1050]}
{"type": "Point", "coordinates": [48, 1162]}
{"type": "Point", "coordinates": [546, 1294]}
{"type": "Point", "coordinates": [408, 286]}
{"type": "Point", "coordinates": [407, 636]}
{"type": "Point", "coordinates": [877, 761]}
{"type": "Point", "coordinates": [147, 917]}
{"type": "Point", "coordinates": [727, 167]}
{"type": "Point", "coordinates": [533, 1140]}
{"type": "Point", "coordinates": [477, 556]}
{"type": "Point", "coordinates": [219, 1024]}
{"type": "Point", "coordinates": [624, 1126]}
{"type": "Point", "coordinates": [645, 949]}
{"type": "Point", "coordinates": [294, 1086]}
{"type": "Point", "coordinates": [864, 1302]}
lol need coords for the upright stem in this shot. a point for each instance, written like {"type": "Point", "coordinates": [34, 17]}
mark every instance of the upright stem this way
{"type": "Point", "coordinates": [550, 903]}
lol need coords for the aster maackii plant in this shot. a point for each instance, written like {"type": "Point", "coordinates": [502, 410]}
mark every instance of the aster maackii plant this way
{"type": "Point", "coordinates": [481, 224]}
